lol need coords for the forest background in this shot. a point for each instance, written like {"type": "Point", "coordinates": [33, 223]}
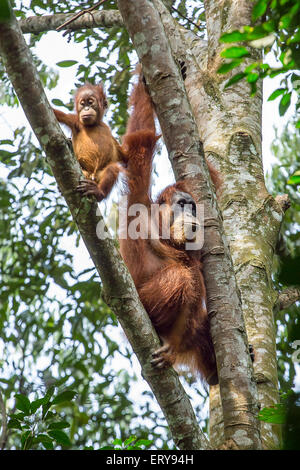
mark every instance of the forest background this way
{"type": "Point", "coordinates": [58, 337]}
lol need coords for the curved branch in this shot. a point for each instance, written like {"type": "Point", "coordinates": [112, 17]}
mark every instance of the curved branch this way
{"type": "Point", "coordinates": [118, 286]}
{"type": "Point", "coordinates": [287, 298]}
{"type": "Point", "coordinates": [186, 153]}
{"type": "Point", "coordinates": [97, 19]}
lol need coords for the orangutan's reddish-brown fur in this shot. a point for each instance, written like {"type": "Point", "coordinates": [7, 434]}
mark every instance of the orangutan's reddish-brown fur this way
{"type": "Point", "coordinates": [98, 152]}
{"type": "Point", "coordinates": [169, 279]}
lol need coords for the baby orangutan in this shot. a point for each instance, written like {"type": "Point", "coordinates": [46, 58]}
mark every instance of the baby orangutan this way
{"type": "Point", "coordinates": [98, 152]}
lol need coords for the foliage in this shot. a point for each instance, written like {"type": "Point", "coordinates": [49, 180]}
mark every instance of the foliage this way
{"type": "Point", "coordinates": [286, 413]}
{"type": "Point", "coordinates": [38, 422]}
{"type": "Point", "coordinates": [286, 148]}
{"type": "Point", "coordinates": [54, 327]}
{"type": "Point", "coordinates": [132, 443]}
{"type": "Point", "coordinates": [275, 27]}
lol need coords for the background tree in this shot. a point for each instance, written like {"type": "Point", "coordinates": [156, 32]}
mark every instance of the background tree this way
{"type": "Point", "coordinates": [65, 335]}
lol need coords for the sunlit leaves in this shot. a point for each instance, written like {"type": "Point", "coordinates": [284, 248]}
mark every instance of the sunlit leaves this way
{"type": "Point", "coordinates": [259, 9]}
{"type": "Point", "coordinates": [274, 414]}
{"type": "Point", "coordinates": [236, 78]}
{"type": "Point", "coordinates": [276, 93]}
{"type": "Point", "coordinates": [276, 23]}
{"type": "Point", "coordinates": [295, 178]}
{"type": "Point", "coordinates": [44, 428]}
{"type": "Point", "coordinates": [234, 52]}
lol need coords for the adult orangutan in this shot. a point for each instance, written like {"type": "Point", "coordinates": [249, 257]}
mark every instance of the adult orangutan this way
{"type": "Point", "coordinates": [168, 277]}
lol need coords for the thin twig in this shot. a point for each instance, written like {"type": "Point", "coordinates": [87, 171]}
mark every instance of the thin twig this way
{"type": "Point", "coordinates": [186, 18]}
{"type": "Point", "coordinates": [82, 12]}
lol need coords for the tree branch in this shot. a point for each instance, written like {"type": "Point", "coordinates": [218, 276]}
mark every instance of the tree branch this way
{"type": "Point", "coordinates": [284, 201]}
{"type": "Point", "coordinates": [118, 286]}
{"type": "Point", "coordinates": [78, 15]}
{"type": "Point", "coordinates": [287, 298]}
{"type": "Point", "coordinates": [100, 19]}
{"type": "Point", "coordinates": [186, 153]}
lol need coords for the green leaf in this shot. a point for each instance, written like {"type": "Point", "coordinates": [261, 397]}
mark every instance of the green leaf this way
{"type": "Point", "coordinates": [26, 440]}
{"type": "Point", "coordinates": [45, 440]}
{"type": "Point", "coordinates": [284, 103]}
{"type": "Point", "coordinates": [59, 425]}
{"type": "Point", "coordinates": [129, 440]}
{"type": "Point", "coordinates": [234, 52]}
{"type": "Point", "coordinates": [275, 414]}
{"type": "Point", "coordinates": [23, 403]}
{"type": "Point", "coordinates": [49, 394]}
{"type": "Point", "coordinates": [68, 395]}
{"type": "Point", "coordinates": [117, 442]}
{"type": "Point", "coordinates": [143, 442]}
{"type": "Point", "coordinates": [60, 437]}
{"type": "Point", "coordinates": [233, 36]}
{"type": "Point", "coordinates": [276, 93]}
{"type": "Point", "coordinates": [225, 68]}
{"type": "Point", "coordinates": [236, 78]}
{"type": "Point", "coordinates": [66, 63]}
{"type": "Point", "coordinates": [259, 9]}
{"type": "Point", "coordinates": [5, 11]}
{"type": "Point", "coordinates": [57, 102]}
{"type": "Point", "coordinates": [295, 178]}
{"type": "Point", "coordinates": [14, 424]}
{"type": "Point", "coordinates": [47, 402]}
{"type": "Point", "coordinates": [36, 404]}
{"type": "Point", "coordinates": [253, 88]}
{"type": "Point", "coordinates": [251, 67]}
{"type": "Point", "coordinates": [252, 77]}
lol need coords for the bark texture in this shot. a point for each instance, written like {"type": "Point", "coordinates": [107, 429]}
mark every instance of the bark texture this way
{"type": "Point", "coordinates": [41, 24]}
{"type": "Point", "coordinates": [229, 123]}
{"type": "Point", "coordinates": [238, 388]}
{"type": "Point", "coordinates": [119, 288]}
{"type": "Point", "coordinates": [288, 297]}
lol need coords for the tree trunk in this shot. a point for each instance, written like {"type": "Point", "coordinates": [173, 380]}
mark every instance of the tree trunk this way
{"type": "Point", "coordinates": [186, 153]}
